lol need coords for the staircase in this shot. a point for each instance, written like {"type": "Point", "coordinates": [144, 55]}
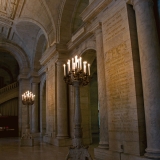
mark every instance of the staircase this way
{"type": "Point", "coordinates": [9, 92]}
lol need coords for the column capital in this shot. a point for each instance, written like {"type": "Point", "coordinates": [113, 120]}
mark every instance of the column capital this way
{"type": "Point", "coordinates": [136, 2]}
{"type": "Point", "coordinates": [22, 77]}
{"type": "Point", "coordinates": [97, 28]}
{"type": "Point", "coordinates": [35, 79]}
{"type": "Point", "coordinates": [61, 61]}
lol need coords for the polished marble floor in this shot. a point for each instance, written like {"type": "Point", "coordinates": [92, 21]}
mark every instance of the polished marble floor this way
{"type": "Point", "coordinates": [10, 150]}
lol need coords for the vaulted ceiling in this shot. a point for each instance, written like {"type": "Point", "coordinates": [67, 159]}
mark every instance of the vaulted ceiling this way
{"type": "Point", "coordinates": [34, 25]}
{"type": "Point", "coordinates": [52, 17]}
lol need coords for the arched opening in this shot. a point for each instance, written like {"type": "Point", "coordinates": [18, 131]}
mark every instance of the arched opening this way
{"type": "Point", "coordinates": [17, 53]}
{"type": "Point", "coordinates": [77, 20]}
{"type": "Point", "coordinates": [9, 71]}
{"type": "Point", "coordinates": [24, 65]}
{"type": "Point", "coordinates": [89, 101]}
{"type": "Point", "coordinates": [93, 92]}
{"type": "Point", "coordinates": [43, 110]}
{"type": "Point", "coordinates": [40, 48]}
{"type": "Point", "coordinates": [37, 109]}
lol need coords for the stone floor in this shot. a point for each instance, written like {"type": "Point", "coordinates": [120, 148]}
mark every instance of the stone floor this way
{"type": "Point", "coordinates": [10, 150]}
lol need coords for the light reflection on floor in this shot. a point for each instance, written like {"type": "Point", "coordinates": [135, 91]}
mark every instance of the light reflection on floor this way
{"type": "Point", "coordinates": [10, 150]}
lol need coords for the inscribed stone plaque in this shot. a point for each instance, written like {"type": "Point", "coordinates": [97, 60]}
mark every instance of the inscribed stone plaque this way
{"type": "Point", "coordinates": [50, 111]}
{"type": "Point", "coordinates": [120, 83]}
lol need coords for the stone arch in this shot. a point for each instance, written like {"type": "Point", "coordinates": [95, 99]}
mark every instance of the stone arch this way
{"type": "Point", "coordinates": [88, 44]}
{"type": "Point", "coordinates": [64, 21]}
{"type": "Point", "coordinates": [43, 105]}
{"type": "Point", "coordinates": [8, 72]}
{"type": "Point", "coordinates": [90, 94]}
{"type": "Point", "coordinates": [40, 48]}
{"type": "Point", "coordinates": [18, 53]}
{"type": "Point", "coordinates": [34, 22]}
{"type": "Point", "coordinates": [77, 21]}
{"type": "Point", "coordinates": [51, 18]}
{"type": "Point", "coordinates": [89, 54]}
{"type": "Point", "coordinates": [64, 27]}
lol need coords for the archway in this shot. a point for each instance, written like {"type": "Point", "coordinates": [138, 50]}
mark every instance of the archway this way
{"type": "Point", "coordinates": [9, 72]}
{"type": "Point", "coordinates": [18, 54]}
{"type": "Point", "coordinates": [37, 108]}
{"type": "Point", "coordinates": [43, 108]}
{"type": "Point", "coordinates": [40, 48]}
{"type": "Point", "coordinates": [89, 101]}
{"type": "Point", "coordinates": [66, 26]}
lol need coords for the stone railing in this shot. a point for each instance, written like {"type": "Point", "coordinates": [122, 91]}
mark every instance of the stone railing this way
{"type": "Point", "coordinates": [9, 87]}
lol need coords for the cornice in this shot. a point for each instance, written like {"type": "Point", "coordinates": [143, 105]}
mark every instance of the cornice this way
{"type": "Point", "coordinates": [136, 2]}
{"type": "Point", "coordinates": [79, 40]}
{"type": "Point", "coordinates": [22, 77]}
{"type": "Point", "coordinates": [32, 74]}
{"type": "Point", "coordinates": [94, 8]}
{"type": "Point", "coordinates": [48, 54]}
{"type": "Point", "coordinates": [86, 34]}
{"type": "Point", "coordinates": [42, 70]}
{"type": "Point", "coordinates": [34, 79]}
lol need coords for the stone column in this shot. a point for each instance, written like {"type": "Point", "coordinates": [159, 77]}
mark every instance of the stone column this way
{"type": "Point", "coordinates": [43, 105]}
{"type": "Point", "coordinates": [158, 10]}
{"type": "Point", "coordinates": [150, 67]}
{"type": "Point", "coordinates": [22, 111]}
{"type": "Point", "coordinates": [158, 6]}
{"type": "Point", "coordinates": [34, 107]}
{"type": "Point", "coordinates": [102, 99]}
{"type": "Point", "coordinates": [62, 109]}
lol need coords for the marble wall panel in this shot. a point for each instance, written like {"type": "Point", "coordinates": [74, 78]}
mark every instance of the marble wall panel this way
{"type": "Point", "coordinates": [123, 80]}
{"type": "Point", "coordinates": [50, 99]}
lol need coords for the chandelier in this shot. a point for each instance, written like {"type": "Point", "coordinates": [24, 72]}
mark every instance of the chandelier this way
{"type": "Point", "coordinates": [75, 71]}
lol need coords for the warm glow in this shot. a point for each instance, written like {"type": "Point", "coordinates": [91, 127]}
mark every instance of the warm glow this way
{"type": "Point", "coordinates": [28, 96]}
{"type": "Point", "coordinates": [75, 65]}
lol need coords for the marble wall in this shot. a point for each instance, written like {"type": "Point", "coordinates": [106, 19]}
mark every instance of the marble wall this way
{"type": "Point", "coordinates": [123, 81]}
{"type": "Point", "coordinates": [50, 100]}
{"type": "Point", "coordinates": [111, 31]}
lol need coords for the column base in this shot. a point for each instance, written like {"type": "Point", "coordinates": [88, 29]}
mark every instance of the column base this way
{"type": "Point", "coordinates": [100, 153]}
{"type": "Point", "coordinates": [80, 153]}
{"type": "Point", "coordinates": [26, 139]}
{"type": "Point", "coordinates": [155, 154]}
{"type": "Point", "coordinates": [128, 157]}
{"type": "Point", "coordinates": [36, 135]}
{"type": "Point", "coordinates": [103, 146]}
{"type": "Point", "coordinates": [103, 154]}
{"type": "Point", "coordinates": [62, 142]}
{"type": "Point", "coordinates": [48, 139]}
{"type": "Point", "coordinates": [62, 137]}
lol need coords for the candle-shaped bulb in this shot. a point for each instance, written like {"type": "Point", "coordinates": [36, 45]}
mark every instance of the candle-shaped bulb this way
{"type": "Point", "coordinates": [84, 66]}
{"type": "Point", "coordinates": [72, 62]}
{"type": "Point", "coordinates": [68, 66]}
{"type": "Point", "coordinates": [80, 63]}
{"type": "Point", "coordinates": [73, 67]}
{"type": "Point", "coordinates": [89, 72]}
{"type": "Point", "coordinates": [76, 58]}
{"type": "Point", "coordinates": [64, 69]}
